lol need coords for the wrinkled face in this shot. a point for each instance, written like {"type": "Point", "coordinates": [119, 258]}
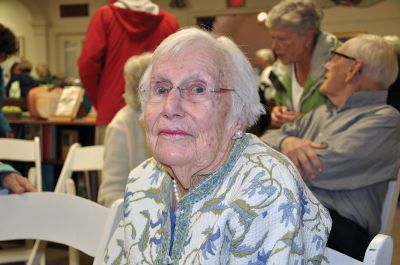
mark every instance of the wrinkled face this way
{"type": "Point", "coordinates": [336, 70]}
{"type": "Point", "coordinates": [287, 45]}
{"type": "Point", "coordinates": [181, 133]}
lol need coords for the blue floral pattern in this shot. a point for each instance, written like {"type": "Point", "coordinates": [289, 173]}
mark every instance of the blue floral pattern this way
{"type": "Point", "coordinates": [254, 210]}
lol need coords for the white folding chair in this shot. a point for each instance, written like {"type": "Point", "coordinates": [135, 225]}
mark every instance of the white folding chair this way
{"type": "Point", "coordinates": [79, 158]}
{"type": "Point", "coordinates": [61, 218]}
{"type": "Point", "coordinates": [379, 252]}
{"type": "Point", "coordinates": [22, 151]}
{"type": "Point", "coordinates": [390, 206]}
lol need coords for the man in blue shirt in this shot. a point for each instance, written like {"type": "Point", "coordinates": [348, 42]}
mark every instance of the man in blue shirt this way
{"type": "Point", "coordinates": [348, 149]}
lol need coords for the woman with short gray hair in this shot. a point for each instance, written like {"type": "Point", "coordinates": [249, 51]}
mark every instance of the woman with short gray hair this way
{"type": "Point", "coordinates": [302, 50]}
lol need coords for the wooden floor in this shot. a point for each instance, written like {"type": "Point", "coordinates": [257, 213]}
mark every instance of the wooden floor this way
{"type": "Point", "coordinates": [58, 255]}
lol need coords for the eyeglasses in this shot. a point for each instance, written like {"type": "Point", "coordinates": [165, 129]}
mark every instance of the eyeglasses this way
{"type": "Point", "coordinates": [192, 91]}
{"type": "Point", "coordinates": [335, 54]}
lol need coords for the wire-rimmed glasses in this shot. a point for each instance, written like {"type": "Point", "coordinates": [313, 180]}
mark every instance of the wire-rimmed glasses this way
{"type": "Point", "coordinates": [193, 91]}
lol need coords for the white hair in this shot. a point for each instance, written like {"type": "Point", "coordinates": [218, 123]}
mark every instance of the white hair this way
{"type": "Point", "coordinates": [133, 71]}
{"type": "Point", "coordinates": [234, 68]}
{"type": "Point", "coordinates": [297, 15]}
{"type": "Point", "coordinates": [378, 58]}
{"type": "Point", "coordinates": [394, 41]}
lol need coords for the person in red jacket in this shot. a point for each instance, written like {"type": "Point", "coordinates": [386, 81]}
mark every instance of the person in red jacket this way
{"type": "Point", "coordinates": [116, 32]}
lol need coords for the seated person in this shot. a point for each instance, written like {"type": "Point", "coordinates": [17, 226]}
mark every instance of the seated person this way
{"type": "Point", "coordinates": [348, 149]}
{"type": "Point", "coordinates": [24, 79]}
{"type": "Point", "coordinates": [8, 46]}
{"type": "Point", "coordinates": [11, 180]}
{"type": "Point", "coordinates": [44, 76]}
{"type": "Point", "coordinates": [265, 58]}
{"type": "Point", "coordinates": [125, 142]}
{"type": "Point", "coordinates": [15, 69]}
{"type": "Point", "coordinates": [211, 194]}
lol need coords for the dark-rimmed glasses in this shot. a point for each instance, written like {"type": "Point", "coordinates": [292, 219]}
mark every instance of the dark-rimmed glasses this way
{"type": "Point", "coordinates": [338, 54]}
{"type": "Point", "coordinates": [192, 91]}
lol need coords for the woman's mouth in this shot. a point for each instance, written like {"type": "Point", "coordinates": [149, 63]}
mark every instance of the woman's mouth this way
{"type": "Point", "coordinates": [173, 133]}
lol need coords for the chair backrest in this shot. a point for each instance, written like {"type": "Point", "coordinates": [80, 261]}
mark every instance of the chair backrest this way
{"type": "Point", "coordinates": [337, 258]}
{"type": "Point", "coordinates": [57, 217]}
{"type": "Point", "coordinates": [24, 151]}
{"type": "Point", "coordinates": [390, 206]}
{"type": "Point", "coordinates": [379, 252]}
{"type": "Point", "coordinates": [80, 158]}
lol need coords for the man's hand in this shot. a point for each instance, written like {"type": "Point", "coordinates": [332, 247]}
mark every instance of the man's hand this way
{"type": "Point", "coordinates": [281, 115]}
{"type": "Point", "coordinates": [303, 154]}
{"type": "Point", "coordinates": [17, 183]}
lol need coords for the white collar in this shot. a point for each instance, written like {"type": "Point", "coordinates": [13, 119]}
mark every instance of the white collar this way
{"type": "Point", "coordinates": [139, 5]}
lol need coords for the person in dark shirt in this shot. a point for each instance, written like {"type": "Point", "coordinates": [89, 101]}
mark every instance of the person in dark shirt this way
{"type": "Point", "coordinates": [8, 47]}
{"type": "Point", "coordinates": [25, 80]}
{"type": "Point", "coordinates": [393, 98]}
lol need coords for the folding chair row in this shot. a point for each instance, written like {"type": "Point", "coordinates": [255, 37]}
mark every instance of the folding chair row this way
{"type": "Point", "coordinates": [88, 158]}
{"type": "Point", "coordinates": [61, 218]}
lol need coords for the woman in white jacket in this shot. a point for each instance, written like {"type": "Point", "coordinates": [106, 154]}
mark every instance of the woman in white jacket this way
{"type": "Point", "coordinates": [125, 142]}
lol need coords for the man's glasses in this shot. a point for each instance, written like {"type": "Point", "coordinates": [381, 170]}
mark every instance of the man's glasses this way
{"type": "Point", "coordinates": [192, 91]}
{"type": "Point", "coordinates": [335, 54]}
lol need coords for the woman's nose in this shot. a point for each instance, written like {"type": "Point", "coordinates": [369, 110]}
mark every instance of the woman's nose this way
{"type": "Point", "coordinates": [173, 103]}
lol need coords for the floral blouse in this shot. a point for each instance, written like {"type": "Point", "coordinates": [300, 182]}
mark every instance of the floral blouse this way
{"type": "Point", "coordinates": [255, 209]}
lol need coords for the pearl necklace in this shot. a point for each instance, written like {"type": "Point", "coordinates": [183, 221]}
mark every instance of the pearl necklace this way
{"type": "Point", "coordinates": [176, 192]}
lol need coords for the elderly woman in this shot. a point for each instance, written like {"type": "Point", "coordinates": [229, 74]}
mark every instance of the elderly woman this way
{"type": "Point", "coordinates": [211, 194]}
{"type": "Point", "coordinates": [302, 50]}
{"type": "Point", "coordinates": [125, 141]}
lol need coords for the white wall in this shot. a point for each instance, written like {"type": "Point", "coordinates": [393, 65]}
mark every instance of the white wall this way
{"type": "Point", "coordinates": [22, 28]}
{"type": "Point", "coordinates": [63, 29]}
{"type": "Point", "coordinates": [382, 19]}
{"type": "Point", "coordinates": [42, 28]}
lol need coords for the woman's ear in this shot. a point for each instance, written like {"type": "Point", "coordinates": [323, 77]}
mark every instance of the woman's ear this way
{"type": "Point", "coordinates": [241, 125]}
{"type": "Point", "coordinates": [238, 126]}
{"type": "Point", "coordinates": [354, 71]}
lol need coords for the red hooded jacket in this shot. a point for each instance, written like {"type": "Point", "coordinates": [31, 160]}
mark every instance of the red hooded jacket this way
{"type": "Point", "coordinates": [115, 34]}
